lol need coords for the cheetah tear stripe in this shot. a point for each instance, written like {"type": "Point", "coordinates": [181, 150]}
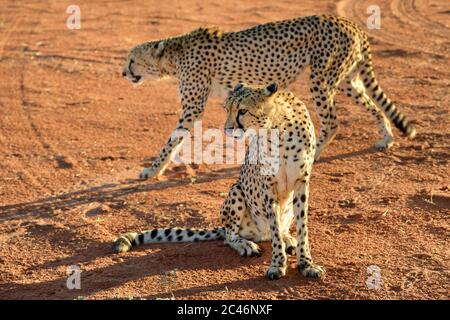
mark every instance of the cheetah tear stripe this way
{"type": "Point", "coordinates": [133, 239]}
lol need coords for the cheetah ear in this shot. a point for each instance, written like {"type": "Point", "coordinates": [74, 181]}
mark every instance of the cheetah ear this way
{"type": "Point", "coordinates": [238, 87]}
{"type": "Point", "coordinates": [270, 89]}
{"type": "Point", "coordinates": [159, 49]}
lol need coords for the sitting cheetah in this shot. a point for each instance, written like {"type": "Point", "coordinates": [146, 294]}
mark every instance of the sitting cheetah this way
{"type": "Point", "coordinates": [261, 206]}
{"type": "Point", "coordinates": [208, 61]}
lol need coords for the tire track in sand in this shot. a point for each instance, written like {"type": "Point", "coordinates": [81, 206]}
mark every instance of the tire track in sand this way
{"type": "Point", "coordinates": [6, 39]}
{"type": "Point", "coordinates": [24, 172]}
{"type": "Point", "coordinates": [405, 12]}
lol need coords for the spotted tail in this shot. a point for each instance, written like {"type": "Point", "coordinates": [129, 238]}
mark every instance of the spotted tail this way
{"type": "Point", "coordinates": [133, 239]}
{"type": "Point", "coordinates": [380, 98]}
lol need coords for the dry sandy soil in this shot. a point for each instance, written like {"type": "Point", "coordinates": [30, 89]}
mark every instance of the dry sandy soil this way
{"type": "Point", "coordinates": [74, 136]}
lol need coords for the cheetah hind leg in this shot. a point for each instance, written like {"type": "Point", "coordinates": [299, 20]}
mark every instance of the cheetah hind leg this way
{"type": "Point", "coordinates": [360, 96]}
{"type": "Point", "coordinates": [239, 227]}
{"type": "Point", "coordinates": [244, 243]}
{"type": "Point", "coordinates": [291, 244]}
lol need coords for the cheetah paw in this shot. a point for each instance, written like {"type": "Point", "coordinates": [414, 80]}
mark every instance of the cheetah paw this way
{"type": "Point", "coordinates": [123, 243]}
{"type": "Point", "coordinates": [148, 173]}
{"type": "Point", "coordinates": [291, 245]}
{"type": "Point", "coordinates": [311, 271]}
{"type": "Point", "coordinates": [290, 250]}
{"type": "Point", "coordinates": [384, 144]}
{"type": "Point", "coordinates": [274, 273]}
{"type": "Point", "coordinates": [249, 249]}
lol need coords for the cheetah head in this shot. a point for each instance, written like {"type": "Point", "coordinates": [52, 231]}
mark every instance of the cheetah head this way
{"type": "Point", "coordinates": [145, 61]}
{"type": "Point", "coordinates": [248, 107]}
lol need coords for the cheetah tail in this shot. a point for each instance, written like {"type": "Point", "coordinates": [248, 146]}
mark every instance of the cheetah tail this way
{"type": "Point", "coordinates": [133, 239]}
{"type": "Point", "coordinates": [385, 104]}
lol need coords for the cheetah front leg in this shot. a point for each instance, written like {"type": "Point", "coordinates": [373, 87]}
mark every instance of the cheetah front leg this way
{"type": "Point", "coordinates": [278, 263]}
{"type": "Point", "coordinates": [232, 214]}
{"type": "Point", "coordinates": [160, 164]}
{"type": "Point", "coordinates": [193, 101]}
{"type": "Point", "coordinates": [304, 260]}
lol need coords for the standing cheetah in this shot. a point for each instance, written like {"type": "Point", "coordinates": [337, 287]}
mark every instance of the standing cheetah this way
{"type": "Point", "coordinates": [208, 61]}
{"type": "Point", "coordinates": [261, 206]}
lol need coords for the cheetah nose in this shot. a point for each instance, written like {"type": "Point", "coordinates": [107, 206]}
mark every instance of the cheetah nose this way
{"type": "Point", "coordinates": [229, 132]}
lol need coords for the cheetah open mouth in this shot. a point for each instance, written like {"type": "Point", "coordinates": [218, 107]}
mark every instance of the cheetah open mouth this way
{"type": "Point", "coordinates": [136, 79]}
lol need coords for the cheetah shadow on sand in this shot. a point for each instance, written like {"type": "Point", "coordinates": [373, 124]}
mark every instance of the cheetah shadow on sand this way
{"type": "Point", "coordinates": [353, 154]}
{"type": "Point", "coordinates": [163, 262]}
{"type": "Point", "coordinates": [111, 193]}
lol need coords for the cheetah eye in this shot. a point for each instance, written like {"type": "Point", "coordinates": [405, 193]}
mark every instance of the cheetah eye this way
{"type": "Point", "coordinates": [242, 112]}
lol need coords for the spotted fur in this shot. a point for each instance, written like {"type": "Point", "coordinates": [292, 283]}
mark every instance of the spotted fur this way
{"type": "Point", "coordinates": [261, 205]}
{"type": "Point", "coordinates": [133, 239]}
{"type": "Point", "coordinates": [208, 61]}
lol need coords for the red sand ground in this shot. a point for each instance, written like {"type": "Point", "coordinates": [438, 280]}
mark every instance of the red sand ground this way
{"type": "Point", "coordinates": [74, 134]}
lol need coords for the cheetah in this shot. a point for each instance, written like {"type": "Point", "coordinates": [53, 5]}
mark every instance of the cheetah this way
{"type": "Point", "coordinates": [261, 205]}
{"type": "Point", "coordinates": [208, 62]}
